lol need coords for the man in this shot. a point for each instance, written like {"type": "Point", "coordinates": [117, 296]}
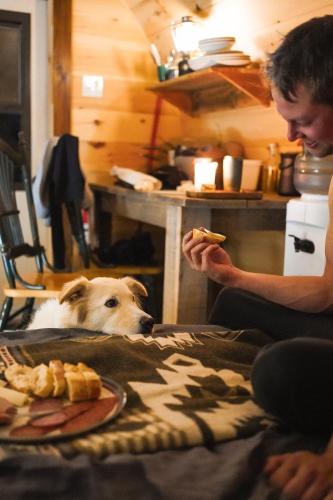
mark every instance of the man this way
{"type": "Point", "coordinates": [292, 378]}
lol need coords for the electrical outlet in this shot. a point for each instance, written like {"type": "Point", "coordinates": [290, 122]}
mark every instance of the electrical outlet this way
{"type": "Point", "coordinates": [92, 85]}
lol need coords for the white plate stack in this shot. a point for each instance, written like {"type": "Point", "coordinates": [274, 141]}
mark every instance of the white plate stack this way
{"type": "Point", "coordinates": [216, 51]}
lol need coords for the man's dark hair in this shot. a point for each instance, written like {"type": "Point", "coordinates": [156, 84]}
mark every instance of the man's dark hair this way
{"type": "Point", "coordinates": [305, 56]}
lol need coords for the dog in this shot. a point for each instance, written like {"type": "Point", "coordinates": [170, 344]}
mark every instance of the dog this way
{"type": "Point", "coordinates": [107, 305]}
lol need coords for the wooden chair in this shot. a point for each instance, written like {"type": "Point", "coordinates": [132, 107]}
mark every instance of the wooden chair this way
{"type": "Point", "coordinates": [44, 282]}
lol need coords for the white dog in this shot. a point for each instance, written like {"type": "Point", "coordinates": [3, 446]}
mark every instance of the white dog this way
{"type": "Point", "coordinates": [106, 305]}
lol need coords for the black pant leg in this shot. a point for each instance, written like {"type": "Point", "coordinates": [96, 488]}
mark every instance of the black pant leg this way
{"type": "Point", "coordinates": [237, 309]}
{"type": "Point", "coordinates": [293, 380]}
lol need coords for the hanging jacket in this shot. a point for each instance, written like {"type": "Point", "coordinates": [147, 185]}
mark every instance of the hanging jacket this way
{"type": "Point", "coordinates": [65, 184]}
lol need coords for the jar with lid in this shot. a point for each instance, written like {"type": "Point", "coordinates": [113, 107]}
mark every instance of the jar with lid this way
{"type": "Point", "coordinates": [271, 169]}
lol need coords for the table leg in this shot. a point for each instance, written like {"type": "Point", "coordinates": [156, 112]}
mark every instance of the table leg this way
{"type": "Point", "coordinates": [185, 290]}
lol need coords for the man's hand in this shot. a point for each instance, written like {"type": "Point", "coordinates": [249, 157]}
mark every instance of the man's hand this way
{"type": "Point", "coordinates": [302, 475]}
{"type": "Point", "coordinates": [210, 259]}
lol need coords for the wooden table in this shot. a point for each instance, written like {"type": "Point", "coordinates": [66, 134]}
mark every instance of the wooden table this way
{"type": "Point", "coordinates": [184, 291]}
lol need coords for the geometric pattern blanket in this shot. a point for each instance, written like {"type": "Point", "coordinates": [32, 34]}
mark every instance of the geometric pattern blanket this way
{"type": "Point", "coordinates": [186, 385]}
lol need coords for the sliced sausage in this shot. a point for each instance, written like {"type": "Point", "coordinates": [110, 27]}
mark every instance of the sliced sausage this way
{"type": "Point", "coordinates": [29, 431]}
{"type": "Point", "coordinates": [7, 411]}
{"type": "Point", "coordinates": [75, 409]}
{"type": "Point", "coordinates": [99, 410]}
{"type": "Point", "coordinates": [52, 420]}
{"type": "Point", "coordinates": [45, 405]}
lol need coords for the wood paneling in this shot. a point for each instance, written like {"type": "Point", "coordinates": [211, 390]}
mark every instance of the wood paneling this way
{"type": "Point", "coordinates": [108, 18]}
{"type": "Point", "coordinates": [62, 53]}
{"type": "Point", "coordinates": [99, 156]}
{"type": "Point", "coordinates": [109, 41]}
{"type": "Point", "coordinates": [104, 125]}
{"type": "Point", "coordinates": [120, 95]}
{"type": "Point", "coordinates": [258, 28]}
{"type": "Point", "coordinates": [121, 61]}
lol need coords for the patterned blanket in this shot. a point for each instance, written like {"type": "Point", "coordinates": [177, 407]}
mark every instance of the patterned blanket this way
{"type": "Point", "coordinates": [185, 385]}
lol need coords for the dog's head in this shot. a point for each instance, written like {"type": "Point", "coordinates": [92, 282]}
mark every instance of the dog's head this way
{"type": "Point", "coordinates": [107, 305]}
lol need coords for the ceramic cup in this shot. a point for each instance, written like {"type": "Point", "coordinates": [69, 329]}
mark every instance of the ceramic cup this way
{"type": "Point", "coordinates": [232, 173]}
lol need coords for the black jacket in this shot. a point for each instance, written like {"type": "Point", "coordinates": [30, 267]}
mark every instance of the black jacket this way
{"type": "Point", "coordinates": [66, 186]}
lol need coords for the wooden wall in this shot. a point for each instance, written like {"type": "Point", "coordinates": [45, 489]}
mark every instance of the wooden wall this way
{"type": "Point", "coordinates": [109, 41]}
{"type": "Point", "coordinates": [258, 27]}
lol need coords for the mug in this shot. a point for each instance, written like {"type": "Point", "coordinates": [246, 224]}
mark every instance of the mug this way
{"type": "Point", "coordinates": [232, 173]}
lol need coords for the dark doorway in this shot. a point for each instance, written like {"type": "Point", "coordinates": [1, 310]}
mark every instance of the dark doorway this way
{"type": "Point", "coordinates": [15, 77]}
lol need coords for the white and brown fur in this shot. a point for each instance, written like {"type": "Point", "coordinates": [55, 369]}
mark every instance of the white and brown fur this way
{"type": "Point", "coordinates": [107, 305]}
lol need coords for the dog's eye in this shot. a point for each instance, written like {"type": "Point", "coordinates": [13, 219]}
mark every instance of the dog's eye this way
{"type": "Point", "coordinates": [113, 302]}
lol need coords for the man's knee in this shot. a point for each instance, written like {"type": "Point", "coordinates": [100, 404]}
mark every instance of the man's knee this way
{"type": "Point", "coordinates": [227, 307]}
{"type": "Point", "coordinates": [275, 369]}
{"type": "Point", "coordinates": [292, 379]}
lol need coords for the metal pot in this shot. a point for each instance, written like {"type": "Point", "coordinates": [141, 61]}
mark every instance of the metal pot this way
{"type": "Point", "coordinates": [312, 174]}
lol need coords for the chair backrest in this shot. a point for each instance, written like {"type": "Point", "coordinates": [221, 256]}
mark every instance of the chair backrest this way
{"type": "Point", "coordinates": [12, 241]}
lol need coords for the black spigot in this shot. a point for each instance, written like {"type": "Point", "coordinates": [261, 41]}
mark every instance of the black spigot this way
{"type": "Point", "coordinates": [303, 245]}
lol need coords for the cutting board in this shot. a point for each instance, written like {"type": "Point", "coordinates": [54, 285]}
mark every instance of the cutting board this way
{"type": "Point", "coordinates": [226, 195]}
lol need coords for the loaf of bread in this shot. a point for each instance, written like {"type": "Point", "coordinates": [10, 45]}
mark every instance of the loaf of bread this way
{"type": "Point", "coordinates": [80, 382]}
{"type": "Point", "coordinates": [206, 235]}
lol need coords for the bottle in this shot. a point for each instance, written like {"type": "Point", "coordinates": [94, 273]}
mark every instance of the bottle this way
{"type": "Point", "coordinates": [271, 170]}
{"type": "Point", "coordinates": [172, 66]}
{"type": "Point", "coordinates": [183, 65]}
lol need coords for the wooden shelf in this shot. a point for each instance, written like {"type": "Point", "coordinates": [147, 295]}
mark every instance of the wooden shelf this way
{"type": "Point", "coordinates": [215, 88]}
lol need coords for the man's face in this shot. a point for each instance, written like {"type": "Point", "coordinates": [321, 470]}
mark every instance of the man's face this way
{"type": "Point", "coordinates": [308, 121]}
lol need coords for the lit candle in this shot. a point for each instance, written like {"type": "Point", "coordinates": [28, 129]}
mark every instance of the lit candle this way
{"type": "Point", "coordinates": [204, 174]}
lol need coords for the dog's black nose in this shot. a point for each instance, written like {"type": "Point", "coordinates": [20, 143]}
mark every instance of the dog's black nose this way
{"type": "Point", "coordinates": [146, 324]}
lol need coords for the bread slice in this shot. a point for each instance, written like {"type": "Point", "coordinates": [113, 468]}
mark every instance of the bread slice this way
{"type": "Point", "coordinates": [82, 367]}
{"type": "Point", "coordinates": [93, 380]}
{"type": "Point", "coordinates": [42, 381]}
{"type": "Point", "coordinates": [69, 367]}
{"type": "Point", "coordinates": [82, 382]}
{"type": "Point", "coordinates": [58, 373]}
{"type": "Point", "coordinates": [76, 386]}
{"type": "Point", "coordinates": [20, 377]}
{"type": "Point", "coordinates": [206, 235]}
{"type": "Point", "coordinates": [93, 383]}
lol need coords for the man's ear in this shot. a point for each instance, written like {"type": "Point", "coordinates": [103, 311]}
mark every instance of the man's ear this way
{"type": "Point", "coordinates": [74, 290]}
{"type": "Point", "coordinates": [135, 286]}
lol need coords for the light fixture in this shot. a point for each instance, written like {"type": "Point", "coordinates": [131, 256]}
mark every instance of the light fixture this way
{"type": "Point", "coordinates": [185, 35]}
{"type": "Point", "coordinates": [185, 38]}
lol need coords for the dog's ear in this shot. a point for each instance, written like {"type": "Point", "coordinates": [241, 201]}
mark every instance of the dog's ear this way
{"type": "Point", "coordinates": [74, 290]}
{"type": "Point", "coordinates": [135, 286]}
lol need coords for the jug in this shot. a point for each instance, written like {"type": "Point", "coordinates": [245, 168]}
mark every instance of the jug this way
{"type": "Point", "coordinates": [286, 185]}
{"type": "Point", "coordinates": [312, 174]}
